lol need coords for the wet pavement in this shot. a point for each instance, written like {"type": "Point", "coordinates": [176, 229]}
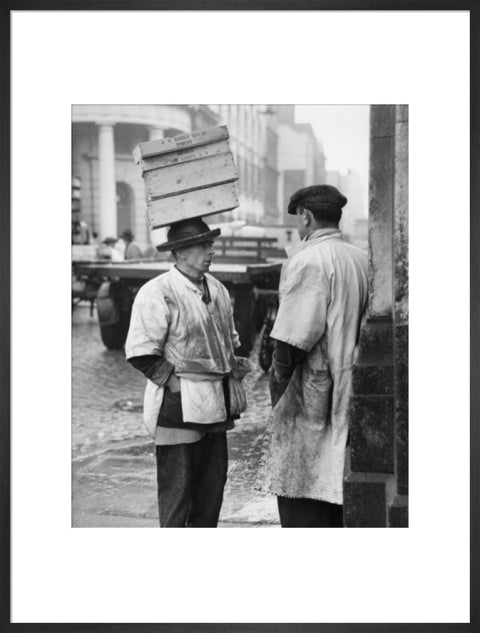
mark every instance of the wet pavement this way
{"type": "Point", "coordinates": [113, 463]}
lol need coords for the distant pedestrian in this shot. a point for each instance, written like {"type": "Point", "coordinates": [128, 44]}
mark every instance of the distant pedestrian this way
{"type": "Point", "coordinates": [183, 338]}
{"type": "Point", "coordinates": [131, 249]}
{"type": "Point", "coordinates": [107, 250]}
{"type": "Point", "coordinates": [80, 229]}
{"type": "Point", "coordinates": [323, 295]}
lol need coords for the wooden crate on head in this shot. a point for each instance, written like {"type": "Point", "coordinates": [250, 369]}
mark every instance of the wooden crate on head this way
{"type": "Point", "coordinates": [187, 176]}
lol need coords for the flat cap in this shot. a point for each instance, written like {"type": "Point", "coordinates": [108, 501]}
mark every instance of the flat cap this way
{"type": "Point", "coordinates": [315, 197]}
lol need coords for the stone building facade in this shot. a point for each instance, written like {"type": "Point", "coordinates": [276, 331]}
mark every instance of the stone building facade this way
{"type": "Point", "coordinates": [271, 153]}
{"type": "Point", "coordinates": [301, 160]}
{"type": "Point", "coordinates": [253, 141]}
{"type": "Point", "coordinates": [103, 137]}
{"type": "Point", "coordinates": [274, 155]}
{"type": "Point", "coordinates": [376, 482]}
{"type": "Point", "coordinates": [354, 218]}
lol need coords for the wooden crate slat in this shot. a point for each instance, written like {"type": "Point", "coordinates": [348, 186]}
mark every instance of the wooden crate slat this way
{"type": "Point", "coordinates": [181, 141]}
{"type": "Point", "coordinates": [205, 172]}
{"type": "Point", "coordinates": [192, 204]}
{"type": "Point", "coordinates": [183, 156]}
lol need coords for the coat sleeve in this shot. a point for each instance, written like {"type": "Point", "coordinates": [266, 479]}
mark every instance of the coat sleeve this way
{"type": "Point", "coordinates": [285, 359]}
{"type": "Point", "coordinates": [305, 296]}
{"type": "Point", "coordinates": [149, 323]}
{"type": "Point", "coordinates": [155, 368]}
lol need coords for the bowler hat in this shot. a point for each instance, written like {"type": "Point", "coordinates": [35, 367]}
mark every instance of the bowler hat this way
{"type": "Point", "coordinates": [317, 198]}
{"type": "Point", "coordinates": [188, 233]}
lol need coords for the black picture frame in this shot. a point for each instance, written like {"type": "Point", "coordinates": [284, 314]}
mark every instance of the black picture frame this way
{"type": "Point", "coordinates": [473, 6]}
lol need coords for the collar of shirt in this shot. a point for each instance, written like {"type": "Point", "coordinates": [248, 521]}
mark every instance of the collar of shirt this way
{"type": "Point", "coordinates": [197, 282]}
{"type": "Point", "coordinates": [331, 232]}
{"type": "Point", "coordinates": [200, 284]}
{"type": "Point", "coordinates": [319, 234]}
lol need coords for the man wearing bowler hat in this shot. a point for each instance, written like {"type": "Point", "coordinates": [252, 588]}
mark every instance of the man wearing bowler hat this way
{"type": "Point", "coordinates": [183, 338]}
{"type": "Point", "coordinates": [323, 295]}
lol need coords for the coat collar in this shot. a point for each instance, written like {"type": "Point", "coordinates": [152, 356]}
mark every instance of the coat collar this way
{"type": "Point", "coordinates": [186, 283]}
{"type": "Point", "coordinates": [313, 238]}
{"type": "Point", "coordinates": [322, 234]}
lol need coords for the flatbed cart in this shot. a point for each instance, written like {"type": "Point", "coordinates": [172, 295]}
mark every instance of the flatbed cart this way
{"type": "Point", "coordinates": [118, 283]}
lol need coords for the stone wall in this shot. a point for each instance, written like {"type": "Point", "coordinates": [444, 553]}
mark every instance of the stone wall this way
{"type": "Point", "coordinates": [376, 481]}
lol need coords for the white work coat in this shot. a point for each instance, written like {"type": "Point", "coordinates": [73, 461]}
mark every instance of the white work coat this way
{"type": "Point", "coordinates": [322, 297]}
{"type": "Point", "coordinates": [169, 318]}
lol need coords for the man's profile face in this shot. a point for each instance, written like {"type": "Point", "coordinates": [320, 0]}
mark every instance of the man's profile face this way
{"type": "Point", "coordinates": [302, 228]}
{"type": "Point", "coordinates": [198, 257]}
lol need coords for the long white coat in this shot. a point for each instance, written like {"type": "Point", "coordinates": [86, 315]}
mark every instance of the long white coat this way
{"type": "Point", "coordinates": [322, 298]}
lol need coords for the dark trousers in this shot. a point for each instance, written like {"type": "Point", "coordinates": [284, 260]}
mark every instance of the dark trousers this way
{"type": "Point", "coordinates": [309, 513]}
{"type": "Point", "coordinates": [191, 479]}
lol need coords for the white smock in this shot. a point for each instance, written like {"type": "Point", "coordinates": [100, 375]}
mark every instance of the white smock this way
{"type": "Point", "coordinates": [170, 319]}
{"type": "Point", "coordinates": [323, 295]}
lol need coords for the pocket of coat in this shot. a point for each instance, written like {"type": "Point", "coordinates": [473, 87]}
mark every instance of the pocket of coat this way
{"type": "Point", "coordinates": [317, 393]}
{"type": "Point", "coordinates": [203, 401]}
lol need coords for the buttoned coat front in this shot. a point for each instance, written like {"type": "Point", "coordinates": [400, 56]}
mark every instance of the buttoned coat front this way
{"type": "Point", "coordinates": [323, 295]}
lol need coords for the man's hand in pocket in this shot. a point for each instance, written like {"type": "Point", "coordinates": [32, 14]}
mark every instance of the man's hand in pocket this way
{"type": "Point", "coordinates": [173, 383]}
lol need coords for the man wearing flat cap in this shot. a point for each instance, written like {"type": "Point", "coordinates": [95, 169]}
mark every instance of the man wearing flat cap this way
{"type": "Point", "coordinates": [323, 296]}
{"type": "Point", "coordinates": [183, 338]}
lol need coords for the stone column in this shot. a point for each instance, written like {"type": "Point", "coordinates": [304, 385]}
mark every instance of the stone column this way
{"type": "Point", "coordinates": [107, 185]}
{"type": "Point", "coordinates": [398, 509]}
{"type": "Point", "coordinates": [380, 214]}
{"type": "Point", "coordinates": [375, 484]}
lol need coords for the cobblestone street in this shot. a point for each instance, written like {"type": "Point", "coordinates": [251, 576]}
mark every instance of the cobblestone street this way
{"type": "Point", "coordinates": [113, 483]}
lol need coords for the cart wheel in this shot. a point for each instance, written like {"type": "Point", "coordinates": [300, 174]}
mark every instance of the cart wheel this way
{"type": "Point", "coordinates": [114, 336]}
{"type": "Point", "coordinates": [114, 307]}
{"type": "Point", "coordinates": [265, 353]}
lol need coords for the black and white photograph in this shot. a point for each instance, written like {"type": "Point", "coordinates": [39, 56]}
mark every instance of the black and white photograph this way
{"type": "Point", "coordinates": [240, 315]}
{"type": "Point", "coordinates": [241, 290]}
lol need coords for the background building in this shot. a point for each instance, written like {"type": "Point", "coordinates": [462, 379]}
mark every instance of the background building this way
{"type": "Point", "coordinates": [103, 137]}
{"type": "Point", "coordinates": [354, 223]}
{"type": "Point", "coordinates": [254, 145]}
{"type": "Point", "coordinates": [301, 161]}
{"type": "Point", "coordinates": [273, 154]}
